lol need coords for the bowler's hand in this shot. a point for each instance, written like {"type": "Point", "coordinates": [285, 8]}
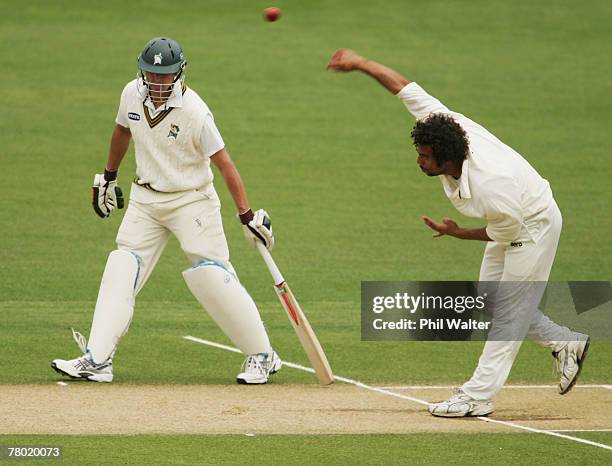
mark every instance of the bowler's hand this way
{"type": "Point", "coordinates": [345, 60]}
{"type": "Point", "coordinates": [447, 227]}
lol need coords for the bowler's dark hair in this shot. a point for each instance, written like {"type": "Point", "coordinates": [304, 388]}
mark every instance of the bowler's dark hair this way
{"type": "Point", "coordinates": [444, 135]}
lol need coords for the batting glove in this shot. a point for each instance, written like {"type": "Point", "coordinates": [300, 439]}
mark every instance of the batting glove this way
{"type": "Point", "coordinates": [257, 227]}
{"type": "Point", "coordinates": [106, 195]}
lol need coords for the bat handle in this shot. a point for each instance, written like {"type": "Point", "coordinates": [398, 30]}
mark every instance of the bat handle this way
{"type": "Point", "coordinates": [277, 276]}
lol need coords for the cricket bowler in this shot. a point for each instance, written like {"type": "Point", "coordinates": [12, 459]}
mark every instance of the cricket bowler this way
{"type": "Point", "coordinates": [175, 140]}
{"type": "Point", "coordinates": [484, 178]}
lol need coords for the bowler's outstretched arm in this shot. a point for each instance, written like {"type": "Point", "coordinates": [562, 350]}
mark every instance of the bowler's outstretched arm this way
{"type": "Point", "coordinates": [348, 60]}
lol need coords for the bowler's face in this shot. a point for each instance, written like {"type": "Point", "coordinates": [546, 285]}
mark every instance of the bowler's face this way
{"type": "Point", "coordinates": [426, 161]}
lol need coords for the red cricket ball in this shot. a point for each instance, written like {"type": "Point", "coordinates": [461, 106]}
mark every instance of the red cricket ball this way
{"type": "Point", "coordinates": [272, 13]}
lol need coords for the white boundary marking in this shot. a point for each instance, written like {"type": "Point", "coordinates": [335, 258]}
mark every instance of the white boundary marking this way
{"type": "Point", "coordinates": [385, 391]}
{"type": "Point", "coordinates": [436, 387]}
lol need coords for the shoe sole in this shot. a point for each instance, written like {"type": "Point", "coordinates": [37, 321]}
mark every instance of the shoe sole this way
{"type": "Point", "coordinates": [78, 377]}
{"type": "Point", "coordinates": [468, 414]}
{"type": "Point", "coordinates": [580, 362]}
{"type": "Point", "coordinates": [244, 382]}
{"type": "Point", "coordinates": [61, 372]}
{"type": "Point", "coordinates": [485, 414]}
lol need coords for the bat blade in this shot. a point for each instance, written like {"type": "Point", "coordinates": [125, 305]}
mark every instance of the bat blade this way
{"type": "Point", "coordinates": [306, 335]}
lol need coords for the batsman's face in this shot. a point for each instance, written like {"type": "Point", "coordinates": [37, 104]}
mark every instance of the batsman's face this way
{"type": "Point", "coordinates": [160, 86]}
{"type": "Point", "coordinates": [427, 162]}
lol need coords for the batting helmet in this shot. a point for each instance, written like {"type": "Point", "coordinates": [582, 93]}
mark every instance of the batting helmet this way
{"type": "Point", "coordinates": [162, 55]}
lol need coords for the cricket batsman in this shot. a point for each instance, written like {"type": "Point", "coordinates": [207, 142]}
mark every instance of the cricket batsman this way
{"type": "Point", "coordinates": [484, 178]}
{"type": "Point", "coordinates": [175, 139]}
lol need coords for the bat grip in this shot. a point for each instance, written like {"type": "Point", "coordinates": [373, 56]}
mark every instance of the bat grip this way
{"type": "Point", "coordinates": [267, 257]}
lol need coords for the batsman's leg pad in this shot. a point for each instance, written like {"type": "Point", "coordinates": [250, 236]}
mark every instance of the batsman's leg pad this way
{"type": "Point", "coordinates": [230, 306]}
{"type": "Point", "coordinates": [115, 305]}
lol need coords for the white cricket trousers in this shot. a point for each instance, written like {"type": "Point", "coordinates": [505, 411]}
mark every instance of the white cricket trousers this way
{"type": "Point", "coordinates": [527, 261]}
{"type": "Point", "coordinates": [193, 217]}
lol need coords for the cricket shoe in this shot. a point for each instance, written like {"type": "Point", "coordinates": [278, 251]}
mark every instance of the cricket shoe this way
{"type": "Point", "coordinates": [460, 405]}
{"type": "Point", "coordinates": [569, 361]}
{"type": "Point", "coordinates": [84, 367]}
{"type": "Point", "coordinates": [257, 368]}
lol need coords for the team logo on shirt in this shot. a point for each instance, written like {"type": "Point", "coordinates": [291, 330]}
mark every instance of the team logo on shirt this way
{"type": "Point", "coordinates": [174, 130]}
{"type": "Point", "coordinates": [134, 116]}
{"type": "Point", "coordinates": [157, 58]}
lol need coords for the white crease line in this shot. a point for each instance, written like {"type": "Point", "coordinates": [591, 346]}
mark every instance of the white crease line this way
{"type": "Point", "coordinates": [406, 397]}
{"type": "Point", "coordinates": [436, 387]}
{"type": "Point", "coordinates": [311, 370]}
{"type": "Point", "coordinates": [216, 345]}
{"type": "Point", "coordinates": [63, 384]}
{"type": "Point", "coordinates": [547, 432]}
{"type": "Point", "coordinates": [582, 430]}
{"type": "Point", "coordinates": [380, 390]}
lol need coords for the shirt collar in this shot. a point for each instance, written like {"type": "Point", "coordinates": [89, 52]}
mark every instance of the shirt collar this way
{"type": "Point", "coordinates": [458, 188]}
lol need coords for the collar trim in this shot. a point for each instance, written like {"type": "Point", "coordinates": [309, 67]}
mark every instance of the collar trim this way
{"type": "Point", "coordinates": [154, 121]}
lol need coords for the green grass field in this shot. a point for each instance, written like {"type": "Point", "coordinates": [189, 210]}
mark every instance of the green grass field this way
{"type": "Point", "coordinates": [317, 449]}
{"type": "Point", "coordinates": [329, 157]}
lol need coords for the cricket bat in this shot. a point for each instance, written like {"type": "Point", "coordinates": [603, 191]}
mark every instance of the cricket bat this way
{"type": "Point", "coordinates": [298, 320]}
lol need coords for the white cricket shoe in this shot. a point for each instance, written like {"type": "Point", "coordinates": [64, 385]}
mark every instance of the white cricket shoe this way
{"type": "Point", "coordinates": [257, 368]}
{"type": "Point", "coordinates": [460, 404]}
{"type": "Point", "coordinates": [569, 361]}
{"type": "Point", "coordinates": [84, 367]}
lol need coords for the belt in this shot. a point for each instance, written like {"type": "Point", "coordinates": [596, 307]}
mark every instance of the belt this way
{"type": "Point", "coordinates": [137, 181]}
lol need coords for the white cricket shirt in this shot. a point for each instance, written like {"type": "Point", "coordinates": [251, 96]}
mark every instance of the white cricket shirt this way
{"type": "Point", "coordinates": [496, 182]}
{"type": "Point", "coordinates": [173, 143]}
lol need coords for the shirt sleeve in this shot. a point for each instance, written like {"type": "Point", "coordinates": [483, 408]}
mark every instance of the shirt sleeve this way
{"type": "Point", "coordinates": [122, 118]}
{"type": "Point", "coordinates": [212, 142]}
{"type": "Point", "coordinates": [503, 213]}
{"type": "Point", "coordinates": [420, 103]}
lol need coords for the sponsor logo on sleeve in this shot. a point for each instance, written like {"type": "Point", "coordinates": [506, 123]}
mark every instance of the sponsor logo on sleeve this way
{"type": "Point", "coordinates": [134, 116]}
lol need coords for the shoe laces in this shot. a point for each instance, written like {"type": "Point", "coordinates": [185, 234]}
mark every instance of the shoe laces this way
{"type": "Point", "coordinates": [85, 363]}
{"type": "Point", "coordinates": [81, 341]}
{"type": "Point", "coordinates": [253, 364]}
{"type": "Point", "coordinates": [457, 393]}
